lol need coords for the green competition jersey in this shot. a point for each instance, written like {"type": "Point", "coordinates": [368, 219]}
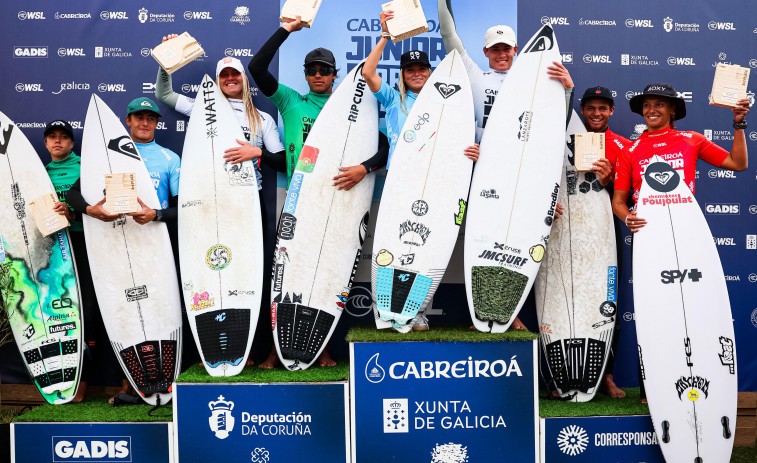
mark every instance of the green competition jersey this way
{"type": "Point", "coordinates": [298, 113]}
{"type": "Point", "coordinates": [64, 174]}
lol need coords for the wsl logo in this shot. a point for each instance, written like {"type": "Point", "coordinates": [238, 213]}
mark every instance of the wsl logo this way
{"type": "Point", "coordinates": [221, 420]}
{"type": "Point", "coordinates": [572, 440]}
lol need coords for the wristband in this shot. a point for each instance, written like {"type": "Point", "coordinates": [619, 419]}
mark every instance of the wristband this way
{"type": "Point", "coordinates": [386, 35]}
{"type": "Point", "coordinates": [739, 125]}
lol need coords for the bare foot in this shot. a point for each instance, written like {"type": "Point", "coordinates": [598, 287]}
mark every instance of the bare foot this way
{"type": "Point", "coordinates": [271, 361]}
{"type": "Point", "coordinates": [249, 361]}
{"type": "Point", "coordinates": [325, 360]}
{"type": "Point", "coordinates": [609, 388]}
{"type": "Point", "coordinates": [82, 389]}
{"type": "Point", "coordinates": [555, 394]}
{"type": "Point", "coordinates": [125, 389]}
{"type": "Point", "coordinates": [518, 325]}
{"type": "Point", "coordinates": [644, 401]}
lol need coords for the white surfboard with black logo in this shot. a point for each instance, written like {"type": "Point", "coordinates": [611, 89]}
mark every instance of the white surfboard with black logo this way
{"type": "Point", "coordinates": [684, 325]}
{"type": "Point", "coordinates": [424, 198]}
{"type": "Point", "coordinates": [576, 287]}
{"type": "Point", "coordinates": [321, 229]}
{"type": "Point", "coordinates": [132, 265]}
{"type": "Point", "coordinates": [515, 186]}
{"type": "Point", "coordinates": [220, 236]}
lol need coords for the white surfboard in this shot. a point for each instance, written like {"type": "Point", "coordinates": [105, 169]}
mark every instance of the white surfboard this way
{"type": "Point", "coordinates": [220, 236]}
{"type": "Point", "coordinates": [43, 301]}
{"type": "Point", "coordinates": [132, 265]}
{"type": "Point", "coordinates": [321, 229]}
{"type": "Point", "coordinates": [576, 287]}
{"type": "Point", "coordinates": [515, 186]}
{"type": "Point", "coordinates": [424, 197]}
{"type": "Point", "coordinates": [684, 325]}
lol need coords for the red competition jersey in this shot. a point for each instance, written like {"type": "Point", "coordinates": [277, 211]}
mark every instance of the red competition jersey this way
{"type": "Point", "coordinates": [679, 149]}
{"type": "Point", "coordinates": [614, 144]}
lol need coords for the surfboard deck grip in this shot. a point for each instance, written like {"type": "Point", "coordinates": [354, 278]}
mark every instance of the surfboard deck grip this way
{"type": "Point", "coordinates": [223, 335]}
{"type": "Point", "coordinates": [496, 292]}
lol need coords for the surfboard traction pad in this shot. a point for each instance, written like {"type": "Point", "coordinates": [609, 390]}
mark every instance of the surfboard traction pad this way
{"type": "Point", "coordinates": [576, 364]}
{"type": "Point", "coordinates": [223, 335]}
{"type": "Point", "coordinates": [496, 292]}
{"type": "Point", "coordinates": [151, 364]}
{"type": "Point", "coordinates": [400, 294]}
{"type": "Point", "coordinates": [53, 364]}
{"type": "Point", "coordinates": [302, 330]}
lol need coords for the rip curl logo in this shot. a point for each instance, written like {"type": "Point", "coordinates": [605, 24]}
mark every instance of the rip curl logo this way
{"type": "Point", "coordinates": [447, 90]}
{"type": "Point", "coordinates": [221, 420]}
{"type": "Point", "coordinates": [572, 440]}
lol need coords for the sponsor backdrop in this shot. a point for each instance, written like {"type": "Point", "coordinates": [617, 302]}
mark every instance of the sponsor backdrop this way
{"type": "Point", "coordinates": [569, 440]}
{"type": "Point", "coordinates": [284, 422]}
{"type": "Point", "coordinates": [457, 402]}
{"type": "Point", "coordinates": [100, 442]}
{"type": "Point", "coordinates": [55, 57]}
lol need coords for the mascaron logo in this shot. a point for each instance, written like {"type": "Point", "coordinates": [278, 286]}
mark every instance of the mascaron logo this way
{"type": "Point", "coordinates": [241, 15]}
{"type": "Point", "coordinates": [221, 420]}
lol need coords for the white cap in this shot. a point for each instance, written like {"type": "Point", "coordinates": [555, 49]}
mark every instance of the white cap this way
{"type": "Point", "coordinates": [229, 62]}
{"type": "Point", "coordinates": [499, 34]}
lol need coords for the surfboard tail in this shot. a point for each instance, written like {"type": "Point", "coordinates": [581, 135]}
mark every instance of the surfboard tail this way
{"type": "Point", "coordinates": [497, 292]}
{"type": "Point", "coordinates": [400, 294]}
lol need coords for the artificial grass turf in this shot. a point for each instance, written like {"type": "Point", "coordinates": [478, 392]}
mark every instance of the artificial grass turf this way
{"type": "Point", "coordinates": [95, 409]}
{"type": "Point", "coordinates": [744, 454]}
{"type": "Point", "coordinates": [253, 374]}
{"type": "Point", "coordinates": [600, 405]}
{"type": "Point", "coordinates": [439, 333]}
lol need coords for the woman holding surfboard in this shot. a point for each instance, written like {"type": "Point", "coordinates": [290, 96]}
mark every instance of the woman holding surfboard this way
{"type": "Point", "coordinates": [661, 106]}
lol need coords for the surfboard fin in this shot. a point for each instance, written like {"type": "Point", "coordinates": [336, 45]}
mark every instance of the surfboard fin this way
{"type": "Point", "coordinates": [666, 431]}
{"type": "Point", "coordinates": [726, 427]}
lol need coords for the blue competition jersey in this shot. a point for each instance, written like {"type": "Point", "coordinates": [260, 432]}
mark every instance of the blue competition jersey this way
{"type": "Point", "coordinates": [164, 167]}
{"type": "Point", "coordinates": [395, 117]}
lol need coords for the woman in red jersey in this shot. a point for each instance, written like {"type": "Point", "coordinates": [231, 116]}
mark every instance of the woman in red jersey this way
{"type": "Point", "coordinates": [661, 107]}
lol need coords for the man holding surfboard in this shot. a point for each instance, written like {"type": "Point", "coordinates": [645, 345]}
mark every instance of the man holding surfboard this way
{"type": "Point", "coordinates": [597, 106]}
{"type": "Point", "coordinates": [64, 170]}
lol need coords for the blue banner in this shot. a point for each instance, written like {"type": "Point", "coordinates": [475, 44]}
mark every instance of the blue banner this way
{"type": "Point", "coordinates": [54, 56]}
{"type": "Point", "coordinates": [261, 422]}
{"type": "Point", "coordinates": [92, 442]}
{"type": "Point", "coordinates": [621, 439]}
{"type": "Point", "coordinates": [454, 401]}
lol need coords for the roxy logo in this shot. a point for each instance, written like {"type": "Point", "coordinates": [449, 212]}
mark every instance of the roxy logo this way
{"type": "Point", "coordinates": [446, 90]}
{"type": "Point", "coordinates": [221, 420]}
{"type": "Point", "coordinates": [720, 26]}
{"type": "Point", "coordinates": [95, 448]}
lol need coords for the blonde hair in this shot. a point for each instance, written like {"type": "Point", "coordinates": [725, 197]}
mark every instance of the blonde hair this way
{"type": "Point", "coordinates": [403, 91]}
{"type": "Point", "coordinates": [252, 113]}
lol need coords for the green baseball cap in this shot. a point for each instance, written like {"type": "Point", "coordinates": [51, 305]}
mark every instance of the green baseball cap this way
{"type": "Point", "coordinates": [142, 104]}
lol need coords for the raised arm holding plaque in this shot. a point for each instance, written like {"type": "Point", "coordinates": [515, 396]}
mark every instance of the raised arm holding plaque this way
{"type": "Point", "coordinates": [173, 54]}
{"type": "Point", "coordinates": [729, 85]}
{"type": "Point", "coordinates": [589, 147]}
{"type": "Point", "coordinates": [305, 9]}
{"type": "Point", "coordinates": [48, 221]}
{"type": "Point", "coordinates": [408, 20]}
{"type": "Point", "coordinates": [121, 193]}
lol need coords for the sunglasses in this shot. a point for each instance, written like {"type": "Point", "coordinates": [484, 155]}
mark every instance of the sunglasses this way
{"type": "Point", "coordinates": [324, 70]}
